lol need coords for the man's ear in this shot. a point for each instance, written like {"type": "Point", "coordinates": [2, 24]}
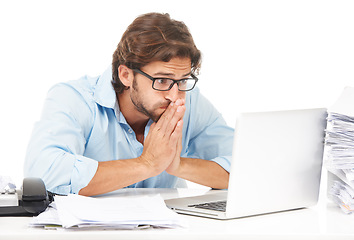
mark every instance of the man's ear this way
{"type": "Point", "coordinates": [126, 75]}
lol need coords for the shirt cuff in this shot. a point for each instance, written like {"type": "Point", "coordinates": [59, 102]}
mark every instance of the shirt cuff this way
{"type": "Point", "coordinates": [224, 162]}
{"type": "Point", "coordinates": [84, 170]}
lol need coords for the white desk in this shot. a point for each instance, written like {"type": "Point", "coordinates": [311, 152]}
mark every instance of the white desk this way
{"type": "Point", "coordinates": [325, 221]}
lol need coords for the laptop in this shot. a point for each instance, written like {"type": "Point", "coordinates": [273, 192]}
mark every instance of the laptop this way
{"type": "Point", "coordinates": [276, 166]}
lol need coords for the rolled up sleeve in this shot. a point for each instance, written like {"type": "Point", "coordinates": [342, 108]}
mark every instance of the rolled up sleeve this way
{"type": "Point", "coordinates": [56, 148]}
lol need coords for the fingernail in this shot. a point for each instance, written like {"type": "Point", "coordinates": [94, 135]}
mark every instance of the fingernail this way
{"type": "Point", "coordinates": [171, 104]}
{"type": "Point", "coordinates": [179, 109]}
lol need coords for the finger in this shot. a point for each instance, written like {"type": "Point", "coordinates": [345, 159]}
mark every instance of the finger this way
{"type": "Point", "coordinates": [149, 135]}
{"type": "Point", "coordinates": [179, 147]}
{"type": "Point", "coordinates": [176, 135]}
{"type": "Point", "coordinates": [152, 126]}
{"type": "Point", "coordinates": [169, 117]}
{"type": "Point", "coordinates": [179, 144]}
{"type": "Point", "coordinates": [172, 123]}
{"type": "Point", "coordinates": [165, 116]}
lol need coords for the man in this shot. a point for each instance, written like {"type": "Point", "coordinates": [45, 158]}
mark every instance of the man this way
{"type": "Point", "coordinates": [142, 123]}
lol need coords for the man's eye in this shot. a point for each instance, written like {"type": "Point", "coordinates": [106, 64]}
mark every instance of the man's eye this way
{"type": "Point", "coordinates": [162, 81]}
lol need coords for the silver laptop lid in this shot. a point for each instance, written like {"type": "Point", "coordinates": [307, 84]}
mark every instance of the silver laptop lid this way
{"type": "Point", "coordinates": [277, 161]}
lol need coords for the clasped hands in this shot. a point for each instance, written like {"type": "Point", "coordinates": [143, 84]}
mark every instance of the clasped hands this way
{"type": "Point", "coordinates": [163, 144]}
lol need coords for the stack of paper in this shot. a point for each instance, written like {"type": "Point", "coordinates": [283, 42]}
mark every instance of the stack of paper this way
{"type": "Point", "coordinates": [340, 150]}
{"type": "Point", "coordinates": [340, 142]}
{"type": "Point", "coordinates": [78, 212]}
{"type": "Point", "coordinates": [342, 194]}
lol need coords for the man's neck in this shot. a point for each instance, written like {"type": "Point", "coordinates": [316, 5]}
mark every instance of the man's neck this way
{"type": "Point", "coordinates": [136, 120]}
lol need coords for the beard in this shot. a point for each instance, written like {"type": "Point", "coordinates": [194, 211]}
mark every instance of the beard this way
{"type": "Point", "coordinates": [136, 99]}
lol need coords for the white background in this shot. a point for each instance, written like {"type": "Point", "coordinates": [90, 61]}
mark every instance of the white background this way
{"type": "Point", "coordinates": [257, 55]}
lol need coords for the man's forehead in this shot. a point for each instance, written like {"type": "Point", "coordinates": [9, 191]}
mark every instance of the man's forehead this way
{"type": "Point", "coordinates": [176, 66]}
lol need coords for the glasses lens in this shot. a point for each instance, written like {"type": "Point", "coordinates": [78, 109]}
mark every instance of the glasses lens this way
{"type": "Point", "coordinates": [165, 84]}
{"type": "Point", "coordinates": [186, 84]}
{"type": "Point", "coordinates": [162, 84]}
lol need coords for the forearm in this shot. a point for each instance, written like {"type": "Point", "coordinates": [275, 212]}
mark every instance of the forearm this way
{"type": "Point", "coordinates": [203, 172]}
{"type": "Point", "coordinates": [113, 175]}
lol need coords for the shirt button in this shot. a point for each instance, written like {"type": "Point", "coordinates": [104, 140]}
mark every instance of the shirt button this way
{"type": "Point", "coordinates": [130, 130]}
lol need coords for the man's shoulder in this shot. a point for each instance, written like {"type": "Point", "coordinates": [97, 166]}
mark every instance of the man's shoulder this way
{"type": "Point", "coordinates": [193, 95]}
{"type": "Point", "coordinates": [195, 98]}
{"type": "Point", "coordinates": [199, 108]}
{"type": "Point", "coordinates": [83, 86]}
{"type": "Point", "coordinates": [85, 83]}
{"type": "Point", "coordinates": [96, 90]}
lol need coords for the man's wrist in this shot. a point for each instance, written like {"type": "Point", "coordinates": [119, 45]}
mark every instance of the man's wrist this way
{"type": "Point", "coordinates": [177, 169]}
{"type": "Point", "coordinates": [148, 165]}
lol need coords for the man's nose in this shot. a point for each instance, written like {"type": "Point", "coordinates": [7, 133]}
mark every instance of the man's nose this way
{"type": "Point", "coordinates": [172, 94]}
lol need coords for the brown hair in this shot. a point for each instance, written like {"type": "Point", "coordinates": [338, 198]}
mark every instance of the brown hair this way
{"type": "Point", "coordinates": [153, 37]}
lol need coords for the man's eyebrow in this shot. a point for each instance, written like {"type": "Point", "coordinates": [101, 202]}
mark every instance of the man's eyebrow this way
{"type": "Point", "coordinates": [170, 74]}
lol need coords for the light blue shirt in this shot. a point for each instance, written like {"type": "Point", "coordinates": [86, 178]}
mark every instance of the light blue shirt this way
{"type": "Point", "coordinates": [81, 125]}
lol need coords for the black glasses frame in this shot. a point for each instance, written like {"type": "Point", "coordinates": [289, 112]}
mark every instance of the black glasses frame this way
{"type": "Point", "coordinates": [174, 81]}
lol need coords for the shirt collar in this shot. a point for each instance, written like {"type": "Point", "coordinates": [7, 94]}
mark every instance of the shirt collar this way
{"type": "Point", "coordinates": [104, 93]}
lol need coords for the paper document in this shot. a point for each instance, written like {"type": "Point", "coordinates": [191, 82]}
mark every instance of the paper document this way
{"type": "Point", "coordinates": [343, 195]}
{"type": "Point", "coordinates": [79, 212]}
{"type": "Point", "coordinates": [339, 149]}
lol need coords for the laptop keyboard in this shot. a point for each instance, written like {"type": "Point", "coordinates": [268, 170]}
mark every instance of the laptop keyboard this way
{"type": "Point", "coordinates": [216, 206]}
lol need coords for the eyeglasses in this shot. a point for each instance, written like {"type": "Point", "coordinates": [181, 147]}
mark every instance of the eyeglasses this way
{"type": "Point", "coordinates": [165, 84]}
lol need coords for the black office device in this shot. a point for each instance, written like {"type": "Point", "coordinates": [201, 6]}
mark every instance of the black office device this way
{"type": "Point", "coordinates": [31, 200]}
